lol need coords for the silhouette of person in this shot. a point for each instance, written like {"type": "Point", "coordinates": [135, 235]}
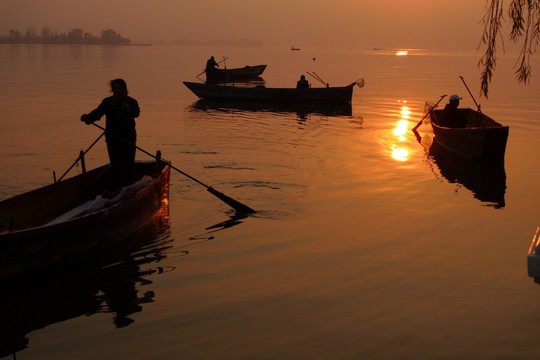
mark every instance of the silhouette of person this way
{"type": "Point", "coordinates": [120, 111]}
{"type": "Point", "coordinates": [451, 117]}
{"type": "Point", "coordinates": [302, 83]}
{"type": "Point", "coordinates": [211, 64]}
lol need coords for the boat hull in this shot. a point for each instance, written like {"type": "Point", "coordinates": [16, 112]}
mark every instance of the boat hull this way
{"type": "Point", "coordinates": [247, 72]}
{"type": "Point", "coordinates": [485, 142]}
{"type": "Point", "coordinates": [37, 242]}
{"type": "Point", "coordinates": [533, 257]}
{"type": "Point", "coordinates": [277, 95]}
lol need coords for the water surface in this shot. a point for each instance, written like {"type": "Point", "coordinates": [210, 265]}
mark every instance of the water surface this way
{"type": "Point", "coordinates": [364, 245]}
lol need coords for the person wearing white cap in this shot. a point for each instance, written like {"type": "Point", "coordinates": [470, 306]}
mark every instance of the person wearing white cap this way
{"type": "Point", "coordinates": [451, 117]}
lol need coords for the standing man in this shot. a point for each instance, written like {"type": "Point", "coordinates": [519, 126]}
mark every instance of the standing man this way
{"type": "Point", "coordinates": [120, 111]}
{"type": "Point", "coordinates": [211, 64]}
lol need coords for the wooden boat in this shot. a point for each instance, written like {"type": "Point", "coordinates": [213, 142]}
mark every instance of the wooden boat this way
{"type": "Point", "coordinates": [278, 95]}
{"type": "Point", "coordinates": [484, 139]}
{"type": "Point", "coordinates": [247, 72]}
{"type": "Point", "coordinates": [60, 224]}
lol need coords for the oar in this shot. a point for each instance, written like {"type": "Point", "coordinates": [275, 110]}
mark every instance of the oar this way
{"type": "Point", "coordinates": [478, 106]}
{"type": "Point", "coordinates": [224, 58]}
{"type": "Point", "coordinates": [427, 113]}
{"type": "Point", "coordinates": [81, 156]}
{"type": "Point", "coordinates": [236, 205]}
{"type": "Point", "coordinates": [318, 78]}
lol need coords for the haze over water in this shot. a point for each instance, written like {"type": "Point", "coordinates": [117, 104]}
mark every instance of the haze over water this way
{"type": "Point", "coordinates": [363, 247]}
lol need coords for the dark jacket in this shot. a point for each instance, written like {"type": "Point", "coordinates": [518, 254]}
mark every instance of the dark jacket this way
{"type": "Point", "coordinates": [118, 121]}
{"type": "Point", "coordinates": [452, 117]}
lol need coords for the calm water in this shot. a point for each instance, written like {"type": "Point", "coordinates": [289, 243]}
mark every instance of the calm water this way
{"type": "Point", "coordinates": [363, 247]}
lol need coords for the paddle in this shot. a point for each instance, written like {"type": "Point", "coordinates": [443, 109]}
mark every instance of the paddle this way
{"type": "Point", "coordinates": [81, 155]}
{"type": "Point", "coordinates": [224, 58]}
{"type": "Point", "coordinates": [427, 113]}
{"type": "Point", "coordinates": [236, 205]}
{"type": "Point", "coordinates": [478, 106]}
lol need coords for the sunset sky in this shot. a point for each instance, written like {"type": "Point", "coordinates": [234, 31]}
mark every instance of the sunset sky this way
{"type": "Point", "coordinates": [433, 24]}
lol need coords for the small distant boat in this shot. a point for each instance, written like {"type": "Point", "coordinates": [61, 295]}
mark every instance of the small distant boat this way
{"type": "Point", "coordinates": [342, 94]}
{"type": "Point", "coordinates": [58, 224]}
{"type": "Point", "coordinates": [247, 72]}
{"type": "Point", "coordinates": [295, 49]}
{"type": "Point", "coordinates": [484, 139]}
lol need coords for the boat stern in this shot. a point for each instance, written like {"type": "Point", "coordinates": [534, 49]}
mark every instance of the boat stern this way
{"type": "Point", "coordinates": [533, 257]}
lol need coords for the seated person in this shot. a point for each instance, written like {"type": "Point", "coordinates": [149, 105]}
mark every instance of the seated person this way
{"type": "Point", "coordinates": [302, 83]}
{"type": "Point", "coordinates": [451, 117]}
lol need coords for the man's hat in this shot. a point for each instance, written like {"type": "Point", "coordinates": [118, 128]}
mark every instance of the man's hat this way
{"type": "Point", "coordinates": [455, 97]}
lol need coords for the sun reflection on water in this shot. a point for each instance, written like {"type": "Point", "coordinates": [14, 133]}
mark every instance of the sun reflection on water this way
{"type": "Point", "coordinates": [399, 150]}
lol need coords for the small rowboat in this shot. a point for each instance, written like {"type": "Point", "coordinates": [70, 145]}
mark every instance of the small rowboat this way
{"type": "Point", "coordinates": [483, 139]}
{"type": "Point", "coordinates": [278, 95]}
{"type": "Point", "coordinates": [59, 224]}
{"type": "Point", "coordinates": [247, 72]}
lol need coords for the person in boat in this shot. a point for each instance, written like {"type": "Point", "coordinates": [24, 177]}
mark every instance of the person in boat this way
{"type": "Point", "coordinates": [302, 83]}
{"type": "Point", "coordinates": [211, 65]}
{"type": "Point", "coordinates": [451, 117]}
{"type": "Point", "coordinates": [120, 111]}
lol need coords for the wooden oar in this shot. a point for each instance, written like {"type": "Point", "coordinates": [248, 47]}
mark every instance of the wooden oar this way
{"type": "Point", "coordinates": [432, 107]}
{"type": "Point", "coordinates": [478, 106]}
{"type": "Point", "coordinates": [236, 205]}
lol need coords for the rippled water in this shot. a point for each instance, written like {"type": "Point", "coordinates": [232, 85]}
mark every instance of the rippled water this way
{"type": "Point", "coordinates": [366, 243]}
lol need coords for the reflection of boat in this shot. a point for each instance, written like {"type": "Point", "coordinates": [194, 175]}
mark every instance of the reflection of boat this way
{"type": "Point", "coordinates": [58, 224]}
{"type": "Point", "coordinates": [247, 72]}
{"type": "Point", "coordinates": [485, 140]}
{"type": "Point", "coordinates": [340, 109]}
{"type": "Point", "coordinates": [276, 95]}
{"type": "Point", "coordinates": [486, 180]}
{"type": "Point", "coordinates": [109, 283]}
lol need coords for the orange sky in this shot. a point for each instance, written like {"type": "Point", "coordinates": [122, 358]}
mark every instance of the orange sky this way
{"type": "Point", "coordinates": [355, 24]}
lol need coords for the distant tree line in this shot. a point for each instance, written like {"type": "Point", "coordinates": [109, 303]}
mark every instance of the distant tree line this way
{"type": "Point", "coordinates": [73, 36]}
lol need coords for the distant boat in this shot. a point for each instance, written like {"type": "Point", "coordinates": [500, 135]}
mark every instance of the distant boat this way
{"type": "Point", "coordinates": [342, 94]}
{"type": "Point", "coordinates": [485, 140]}
{"type": "Point", "coordinates": [247, 72]}
{"type": "Point", "coordinates": [295, 49]}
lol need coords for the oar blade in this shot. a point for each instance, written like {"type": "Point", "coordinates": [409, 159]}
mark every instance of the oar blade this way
{"type": "Point", "coordinates": [236, 205]}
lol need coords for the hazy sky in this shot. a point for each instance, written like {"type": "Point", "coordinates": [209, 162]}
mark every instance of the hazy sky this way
{"type": "Point", "coordinates": [434, 24]}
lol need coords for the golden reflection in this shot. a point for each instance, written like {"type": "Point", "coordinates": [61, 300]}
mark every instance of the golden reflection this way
{"type": "Point", "coordinates": [400, 154]}
{"type": "Point", "coordinates": [402, 53]}
{"type": "Point", "coordinates": [399, 150]}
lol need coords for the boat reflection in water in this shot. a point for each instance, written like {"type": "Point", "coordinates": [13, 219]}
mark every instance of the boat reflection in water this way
{"type": "Point", "coordinates": [108, 283]}
{"type": "Point", "coordinates": [487, 181]}
{"type": "Point", "coordinates": [301, 109]}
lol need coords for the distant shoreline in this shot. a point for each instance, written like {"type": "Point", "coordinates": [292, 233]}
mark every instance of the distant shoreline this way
{"type": "Point", "coordinates": [68, 43]}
